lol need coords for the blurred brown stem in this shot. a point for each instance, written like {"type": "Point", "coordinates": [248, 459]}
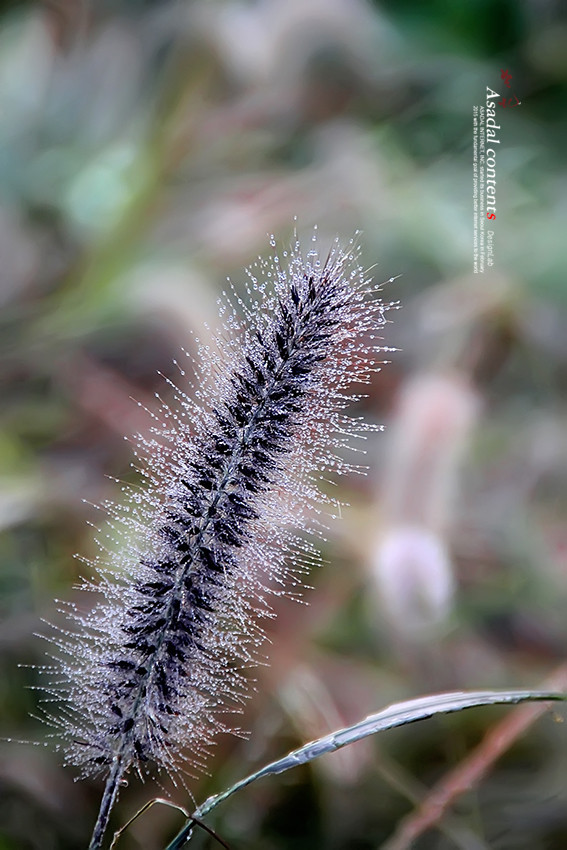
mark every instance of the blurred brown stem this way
{"type": "Point", "coordinates": [470, 771]}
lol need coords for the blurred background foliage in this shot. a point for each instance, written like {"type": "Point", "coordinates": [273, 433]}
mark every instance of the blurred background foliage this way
{"type": "Point", "coordinates": [147, 149]}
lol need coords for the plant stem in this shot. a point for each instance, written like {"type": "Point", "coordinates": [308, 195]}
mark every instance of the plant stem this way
{"type": "Point", "coordinates": [107, 802]}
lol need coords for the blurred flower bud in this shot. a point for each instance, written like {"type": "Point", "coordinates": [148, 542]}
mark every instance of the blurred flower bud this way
{"type": "Point", "coordinates": [414, 577]}
{"type": "Point", "coordinates": [410, 562]}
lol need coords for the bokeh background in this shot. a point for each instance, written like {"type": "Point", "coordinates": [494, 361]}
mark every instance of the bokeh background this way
{"type": "Point", "coordinates": [147, 151]}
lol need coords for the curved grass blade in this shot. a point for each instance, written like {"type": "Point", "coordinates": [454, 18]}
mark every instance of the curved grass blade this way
{"type": "Point", "coordinates": [399, 714]}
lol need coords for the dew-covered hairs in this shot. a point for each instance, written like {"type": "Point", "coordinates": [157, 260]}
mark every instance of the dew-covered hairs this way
{"type": "Point", "coordinates": [152, 673]}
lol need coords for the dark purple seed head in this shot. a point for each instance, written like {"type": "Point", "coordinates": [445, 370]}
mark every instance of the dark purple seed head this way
{"type": "Point", "coordinates": [154, 670]}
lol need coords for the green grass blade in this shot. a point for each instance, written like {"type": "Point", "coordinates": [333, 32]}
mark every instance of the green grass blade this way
{"type": "Point", "coordinates": [399, 714]}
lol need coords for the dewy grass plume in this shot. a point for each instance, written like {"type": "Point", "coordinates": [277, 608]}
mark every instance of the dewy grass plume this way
{"type": "Point", "coordinates": [153, 672]}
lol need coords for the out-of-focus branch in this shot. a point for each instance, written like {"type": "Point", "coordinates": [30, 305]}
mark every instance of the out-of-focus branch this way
{"type": "Point", "coordinates": [472, 769]}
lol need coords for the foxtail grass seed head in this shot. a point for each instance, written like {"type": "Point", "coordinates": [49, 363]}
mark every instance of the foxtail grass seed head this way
{"type": "Point", "coordinates": [152, 673]}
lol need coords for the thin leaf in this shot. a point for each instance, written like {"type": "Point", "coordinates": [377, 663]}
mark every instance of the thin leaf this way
{"type": "Point", "coordinates": [399, 714]}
